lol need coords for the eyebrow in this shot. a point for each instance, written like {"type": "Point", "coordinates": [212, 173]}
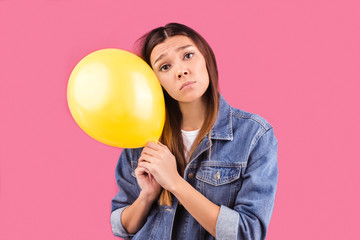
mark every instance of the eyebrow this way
{"type": "Point", "coordinates": [177, 50]}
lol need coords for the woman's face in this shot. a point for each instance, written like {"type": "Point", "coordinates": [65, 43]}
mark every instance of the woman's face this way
{"type": "Point", "coordinates": [180, 68]}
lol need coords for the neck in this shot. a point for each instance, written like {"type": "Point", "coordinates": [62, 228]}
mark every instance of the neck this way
{"type": "Point", "coordinates": [193, 114]}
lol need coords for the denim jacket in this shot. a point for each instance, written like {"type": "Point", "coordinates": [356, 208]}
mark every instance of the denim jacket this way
{"type": "Point", "coordinates": [239, 174]}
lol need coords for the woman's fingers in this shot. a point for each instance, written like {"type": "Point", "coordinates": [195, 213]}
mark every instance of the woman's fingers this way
{"type": "Point", "coordinates": [150, 151]}
{"type": "Point", "coordinates": [141, 171]}
{"type": "Point", "coordinates": [144, 157]}
{"type": "Point", "coordinates": [153, 146]}
{"type": "Point", "coordinates": [145, 165]}
{"type": "Point", "coordinates": [162, 145]}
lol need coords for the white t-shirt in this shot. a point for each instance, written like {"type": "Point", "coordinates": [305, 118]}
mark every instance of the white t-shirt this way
{"type": "Point", "coordinates": [189, 138]}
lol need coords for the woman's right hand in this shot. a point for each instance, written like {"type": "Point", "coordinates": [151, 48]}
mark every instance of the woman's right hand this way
{"type": "Point", "coordinates": [150, 188]}
{"type": "Point", "coordinates": [134, 216]}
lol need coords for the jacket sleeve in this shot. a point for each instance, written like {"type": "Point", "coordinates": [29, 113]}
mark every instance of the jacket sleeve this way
{"type": "Point", "coordinates": [254, 203]}
{"type": "Point", "coordinates": [128, 190]}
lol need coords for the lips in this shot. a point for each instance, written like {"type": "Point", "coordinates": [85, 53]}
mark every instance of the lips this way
{"type": "Point", "coordinates": [186, 84]}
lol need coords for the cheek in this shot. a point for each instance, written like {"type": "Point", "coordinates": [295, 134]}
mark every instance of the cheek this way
{"type": "Point", "coordinates": [204, 67]}
{"type": "Point", "coordinates": [203, 71]}
{"type": "Point", "coordinates": [201, 67]}
{"type": "Point", "coordinates": [165, 85]}
{"type": "Point", "coordinates": [162, 80]}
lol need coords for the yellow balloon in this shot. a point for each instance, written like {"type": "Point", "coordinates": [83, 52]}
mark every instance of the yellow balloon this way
{"type": "Point", "coordinates": [116, 98]}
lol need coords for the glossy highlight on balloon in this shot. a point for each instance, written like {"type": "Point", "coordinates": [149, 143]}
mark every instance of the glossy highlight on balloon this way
{"type": "Point", "coordinates": [116, 98]}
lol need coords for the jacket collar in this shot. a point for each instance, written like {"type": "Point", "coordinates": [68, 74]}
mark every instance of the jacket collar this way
{"type": "Point", "coordinates": [222, 129]}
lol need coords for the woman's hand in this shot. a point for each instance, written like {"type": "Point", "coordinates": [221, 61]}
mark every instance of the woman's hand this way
{"type": "Point", "coordinates": [150, 189]}
{"type": "Point", "coordinates": [161, 163]}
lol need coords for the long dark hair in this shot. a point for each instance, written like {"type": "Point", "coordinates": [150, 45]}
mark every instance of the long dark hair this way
{"type": "Point", "coordinates": [171, 135]}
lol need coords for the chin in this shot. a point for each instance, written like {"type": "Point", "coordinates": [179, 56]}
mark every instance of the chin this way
{"type": "Point", "coordinates": [190, 97]}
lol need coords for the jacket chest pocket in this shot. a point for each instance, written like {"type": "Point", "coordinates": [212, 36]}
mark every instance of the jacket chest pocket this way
{"type": "Point", "coordinates": [219, 181]}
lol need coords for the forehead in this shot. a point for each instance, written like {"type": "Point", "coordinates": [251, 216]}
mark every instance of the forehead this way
{"type": "Point", "coordinates": [170, 45]}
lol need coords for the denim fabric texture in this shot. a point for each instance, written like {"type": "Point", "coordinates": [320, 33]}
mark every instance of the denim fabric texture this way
{"type": "Point", "coordinates": [239, 175]}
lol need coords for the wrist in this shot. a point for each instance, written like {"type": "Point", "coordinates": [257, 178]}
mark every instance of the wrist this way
{"type": "Point", "coordinates": [147, 198]}
{"type": "Point", "coordinates": [176, 185]}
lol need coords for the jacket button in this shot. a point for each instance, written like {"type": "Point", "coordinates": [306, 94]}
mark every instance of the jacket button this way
{"type": "Point", "coordinates": [190, 175]}
{"type": "Point", "coordinates": [217, 175]}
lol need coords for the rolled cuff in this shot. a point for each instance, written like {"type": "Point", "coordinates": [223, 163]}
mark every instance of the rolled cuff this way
{"type": "Point", "coordinates": [227, 224]}
{"type": "Point", "coordinates": [117, 227]}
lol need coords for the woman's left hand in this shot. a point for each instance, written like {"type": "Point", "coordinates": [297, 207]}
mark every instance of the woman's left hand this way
{"type": "Point", "coordinates": [161, 163]}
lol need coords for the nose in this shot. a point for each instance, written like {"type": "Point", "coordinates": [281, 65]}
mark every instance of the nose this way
{"type": "Point", "coordinates": [182, 73]}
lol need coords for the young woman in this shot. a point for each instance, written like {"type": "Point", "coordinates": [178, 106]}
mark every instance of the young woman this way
{"type": "Point", "coordinates": [213, 173]}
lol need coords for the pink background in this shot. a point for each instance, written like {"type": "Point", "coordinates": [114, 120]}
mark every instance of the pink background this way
{"type": "Point", "coordinates": [296, 63]}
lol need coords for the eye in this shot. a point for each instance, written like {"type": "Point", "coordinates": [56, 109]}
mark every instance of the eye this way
{"type": "Point", "coordinates": [189, 55]}
{"type": "Point", "coordinates": [164, 67]}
